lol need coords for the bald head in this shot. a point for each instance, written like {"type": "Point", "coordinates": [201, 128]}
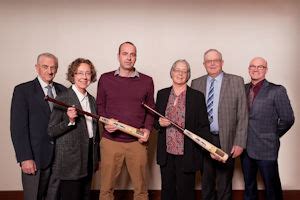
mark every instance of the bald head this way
{"type": "Point", "coordinates": [258, 68]}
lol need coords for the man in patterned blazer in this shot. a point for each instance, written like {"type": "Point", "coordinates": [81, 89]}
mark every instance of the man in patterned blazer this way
{"type": "Point", "coordinates": [228, 116]}
{"type": "Point", "coordinates": [270, 117]}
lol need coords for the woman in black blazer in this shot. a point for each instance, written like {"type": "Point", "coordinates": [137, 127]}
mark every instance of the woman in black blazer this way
{"type": "Point", "coordinates": [76, 136]}
{"type": "Point", "coordinates": [178, 156]}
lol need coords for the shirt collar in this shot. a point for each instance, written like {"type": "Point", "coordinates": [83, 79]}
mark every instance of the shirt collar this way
{"type": "Point", "coordinates": [218, 78]}
{"type": "Point", "coordinates": [135, 73]}
{"type": "Point", "coordinates": [80, 96]}
{"type": "Point", "coordinates": [259, 84]}
{"type": "Point", "coordinates": [43, 84]}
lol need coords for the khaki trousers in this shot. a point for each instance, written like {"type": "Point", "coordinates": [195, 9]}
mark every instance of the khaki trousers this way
{"type": "Point", "coordinates": [113, 155]}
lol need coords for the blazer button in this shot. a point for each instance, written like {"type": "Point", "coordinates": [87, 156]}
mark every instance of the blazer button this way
{"type": "Point", "coordinates": [51, 142]}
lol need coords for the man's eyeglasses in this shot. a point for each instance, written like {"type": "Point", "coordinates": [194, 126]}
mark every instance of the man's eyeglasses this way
{"type": "Point", "coordinates": [259, 67]}
{"type": "Point", "coordinates": [212, 61]}
{"type": "Point", "coordinates": [46, 67]}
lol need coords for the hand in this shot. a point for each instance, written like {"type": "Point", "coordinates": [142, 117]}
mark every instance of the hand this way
{"type": "Point", "coordinates": [28, 167]}
{"type": "Point", "coordinates": [236, 151]}
{"type": "Point", "coordinates": [72, 113]}
{"type": "Point", "coordinates": [217, 158]}
{"type": "Point", "coordinates": [163, 122]}
{"type": "Point", "coordinates": [146, 135]}
{"type": "Point", "coordinates": [111, 127]}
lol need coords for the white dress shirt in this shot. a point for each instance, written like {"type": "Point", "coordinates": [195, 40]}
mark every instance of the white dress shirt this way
{"type": "Point", "coordinates": [44, 86]}
{"type": "Point", "coordinates": [85, 105]}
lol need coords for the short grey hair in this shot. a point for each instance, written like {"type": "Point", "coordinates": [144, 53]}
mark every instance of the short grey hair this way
{"type": "Point", "coordinates": [210, 50]}
{"type": "Point", "coordinates": [49, 55]}
{"type": "Point", "coordinates": [187, 65]}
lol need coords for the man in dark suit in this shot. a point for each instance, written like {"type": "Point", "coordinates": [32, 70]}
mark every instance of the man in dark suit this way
{"type": "Point", "coordinates": [270, 117]}
{"type": "Point", "coordinates": [29, 122]}
{"type": "Point", "coordinates": [227, 112]}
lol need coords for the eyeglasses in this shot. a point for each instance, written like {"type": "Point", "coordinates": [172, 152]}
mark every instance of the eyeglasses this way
{"type": "Point", "coordinates": [84, 73]}
{"type": "Point", "coordinates": [180, 71]}
{"type": "Point", "coordinates": [212, 61]}
{"type": "Point", "coordinates": [259, 67]}
{"type": "Point", "coordinates": [46, 67]}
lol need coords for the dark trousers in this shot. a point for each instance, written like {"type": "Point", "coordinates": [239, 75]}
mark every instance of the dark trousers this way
{"type": "Point", "coordinates": [270, 175]}
{"type": "Point", "coordinates": [217, 177]}
{"type": "Point", "coordinates": [176, 184]}
{"type": "Point", "coordinates": [75, 189]}
{"type": "Point", "coordinates": [35, 186]}
{"type": "Point", "coordinates": [53, 187]}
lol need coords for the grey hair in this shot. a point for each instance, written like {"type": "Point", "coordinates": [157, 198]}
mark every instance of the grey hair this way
{"type": "Point", "coordinates": [49, 55]}
{"type": "Point", "coordinates": [187, 65]}
{"type": "Point", "coordinates": [210, 50]}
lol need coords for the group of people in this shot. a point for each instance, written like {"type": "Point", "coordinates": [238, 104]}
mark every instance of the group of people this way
{"type": "Point", "coordinates": [59, 148]}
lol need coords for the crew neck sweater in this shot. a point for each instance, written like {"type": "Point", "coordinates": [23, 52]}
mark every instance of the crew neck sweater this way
{"type": "Point", "coordinates": [121, 98]}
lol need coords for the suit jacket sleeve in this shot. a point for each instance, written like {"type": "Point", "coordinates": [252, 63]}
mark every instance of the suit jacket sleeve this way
{"type": "Point", "coordinates": [58, 123]}
{"type": "Point", "coordinates": [19, 125]}
{"type": "Point", "coordinates": [242, 116]}
{"type": "Point", "coordinates": [284, 111]}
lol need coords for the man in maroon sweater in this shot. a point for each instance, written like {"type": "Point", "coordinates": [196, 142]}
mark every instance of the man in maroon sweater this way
{"type": "Point", "coordinates": [120, 94]}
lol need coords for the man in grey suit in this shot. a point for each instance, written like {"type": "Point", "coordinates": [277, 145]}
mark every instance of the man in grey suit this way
{"type": "Point", "coordinates": [30, 115]}
{"type": "Point", "coordinates": [270, 117]}
{"type": "Point", "coordinates": [228, 116]}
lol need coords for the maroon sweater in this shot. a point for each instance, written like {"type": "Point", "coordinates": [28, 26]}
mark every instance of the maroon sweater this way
{"type": "Point", "coordinates": [121, 98]}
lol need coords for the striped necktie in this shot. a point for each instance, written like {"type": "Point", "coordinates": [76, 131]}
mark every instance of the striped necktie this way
{"type": "Point", "coordinates": [210, 101]}
{"type": "Point", "coordinates": [50, 94]}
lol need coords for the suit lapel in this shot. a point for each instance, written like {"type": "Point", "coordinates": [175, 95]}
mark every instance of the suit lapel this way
{"type": "Point", "coordinates": [224, 85]}
{"type": "Point", "coordinates": [202, 85]}
{"type": "Point", "coordinates": [247, 88]}
{"type": "Point", "coordinates": [165, 100]}
{"type": "Point", "coordinates": [57, 88]}
{"type": "Point", "coordinates": [188, 106]}
{"type": "Point", "coordinates": [39, 97]}
{"type": "Point", "coordinates": [260, 95]}
{"type": "Point", "coordinates": [73, 98]}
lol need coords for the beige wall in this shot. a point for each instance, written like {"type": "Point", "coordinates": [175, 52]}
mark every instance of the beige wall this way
{"type": "Point", "coordinates": [163, 31]}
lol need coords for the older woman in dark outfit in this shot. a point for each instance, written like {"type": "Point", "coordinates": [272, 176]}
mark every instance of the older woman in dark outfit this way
{"type": "Point", "coordinates": [76, 136]}
{"type": "Point", "coordinates": [178, 156]}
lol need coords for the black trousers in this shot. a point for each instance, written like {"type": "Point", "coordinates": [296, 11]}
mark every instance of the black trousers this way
{"type": "Point", "coordinates": [75, 189]}
{"type": "Point", "coordinates": [217, 177]}
{"type": "Point", "coordinates": [78, 189]}
{"type": "Point", "coordinates": [176, 184]}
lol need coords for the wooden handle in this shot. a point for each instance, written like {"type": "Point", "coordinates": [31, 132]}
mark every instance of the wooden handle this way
{"type": "Point", "coordinates": [122, 127]}
{"type": "Point", "coordinates": [202, 142]}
